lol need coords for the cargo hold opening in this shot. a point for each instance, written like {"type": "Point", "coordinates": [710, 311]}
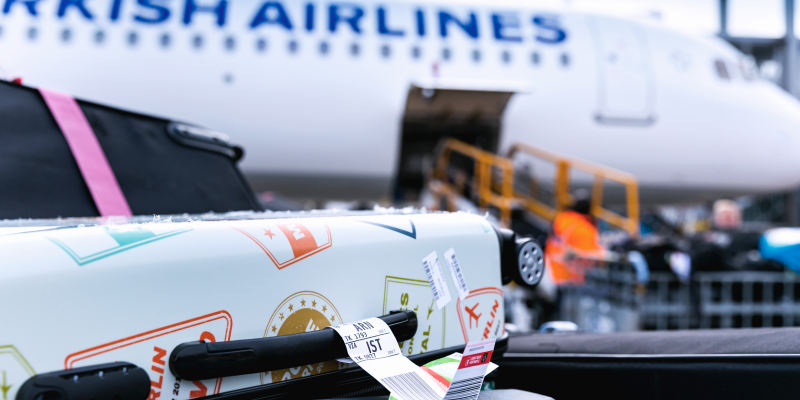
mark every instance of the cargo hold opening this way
{"type": "Point", "coordinates": [470, 111]}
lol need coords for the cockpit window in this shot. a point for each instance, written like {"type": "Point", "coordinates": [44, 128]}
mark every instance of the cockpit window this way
{"type": "Point", "coordinates": [722, 70]}
{"type": "Point", "coordinates": [749, 68]}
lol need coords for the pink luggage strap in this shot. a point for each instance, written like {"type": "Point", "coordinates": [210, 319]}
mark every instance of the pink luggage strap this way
{"type": "Point", "coordinates": [86, 150]}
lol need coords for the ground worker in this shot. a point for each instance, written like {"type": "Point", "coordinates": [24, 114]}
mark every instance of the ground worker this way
{"type": "Point", "coordinates": [573, 244]}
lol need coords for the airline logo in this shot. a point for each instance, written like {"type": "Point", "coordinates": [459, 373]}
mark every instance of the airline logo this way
{"type": "Point", "coordinates": [86, 245]}
{"type": "Point", "coordinates": [481, 314]}
{"type": "Point", "coordinates": [286, 242]}
{"type": "Point", "coordinates": [398, 20]}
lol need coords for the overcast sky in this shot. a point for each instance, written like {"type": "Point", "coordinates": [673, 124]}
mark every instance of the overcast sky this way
{"type": "Point", "coordinates": [750, 18]}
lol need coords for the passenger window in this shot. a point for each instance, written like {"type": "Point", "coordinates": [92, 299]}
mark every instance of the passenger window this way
{"type": "Point", "coordinates": [506, 56]}
{"type": "Point", "coordinates": [416, 52]}
{"type": "Point", "coordinates": [386, 51]}
{"type": "Point", "coordinates": [565, 59]}
{"type": "Point", "coordinates": [324, 47]}
{"type": "Point", "coordinates": [132, 39]}
{"type": "Point", "coordinates": [32, 33]}
{"type": "Point", "coordinates": [197, 41]}
{"type": "Point", "coordinates": [165, 39]}
{"type": "Point", "coordinates": [476, 55]}
{"type": "Point", "coordinates": [293, 46]}
{"type": "Point", "coordinates": [261, 45]}
{"type": "Point", "coordinates": [230, 43]}
{"type": "Point", "coordinates": [66, 35]}
{"type": "Point", "coordinates": [99, 37]}
{"type": "Point", "coordinates": [722, 70]}
{"type": "Point", "coordinates": [446, 53]}
{"type": "Point", "coordinates": [354, 49]}
{"type": "Point", "coordinates": [535, 58]}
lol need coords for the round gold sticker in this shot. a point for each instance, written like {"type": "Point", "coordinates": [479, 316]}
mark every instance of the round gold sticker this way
{"type": "Point", "coordinates": [301, 312]}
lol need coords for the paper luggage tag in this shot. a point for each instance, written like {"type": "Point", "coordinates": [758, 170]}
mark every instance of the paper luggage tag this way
{"type": "Point", "coordinates": [471, 370]}
{"type": "Point", "coordinates": [371, 344]}
{"type": "Point", "coordinates": [444, 371]}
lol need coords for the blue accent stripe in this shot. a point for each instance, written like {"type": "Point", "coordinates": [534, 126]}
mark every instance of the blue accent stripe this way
{"type": "Point", "coordinates": [412, 234]}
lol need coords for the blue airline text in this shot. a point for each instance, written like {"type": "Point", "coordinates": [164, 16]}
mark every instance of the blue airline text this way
{"type": "Point", "coordinates": [505, 26]}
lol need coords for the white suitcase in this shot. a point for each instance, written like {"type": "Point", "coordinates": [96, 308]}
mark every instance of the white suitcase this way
{"type": "Point", "coordinates": [84, 293]}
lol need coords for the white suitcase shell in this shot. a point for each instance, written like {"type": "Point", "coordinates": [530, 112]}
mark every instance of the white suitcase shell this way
{"type": "Point", "coordinates": [82, 295]}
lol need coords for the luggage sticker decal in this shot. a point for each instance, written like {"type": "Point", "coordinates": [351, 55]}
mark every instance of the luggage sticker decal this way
{"type": "Point", "coordinates": [150, 350]}
{"type": "Point", "coordinates": [433, 270]}
{"type": "Point", "coordinates": [412, 233]}
{"type": "Point", "coordinates": [86, 245]}
{"type": "Point", "coordinates": [303, 311]}
{"type": "Point", "coordinates": [286, 242]}
{"type": "Point", "coordinates": [14, 371]}
{"type": "Point", "coordinates": [415, 295]}
{"type": "Point", "coordinates": [481, 314]}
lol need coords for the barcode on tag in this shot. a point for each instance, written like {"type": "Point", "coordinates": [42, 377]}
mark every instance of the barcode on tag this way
{"type": "Point", "coordinates": [458, 275]}
{"type": "Point", "coordinates": [410, 386]}
{"type": "Point", "coordinates": [465, 389]}
{"type": "Point", "coordinates": [436, 279]}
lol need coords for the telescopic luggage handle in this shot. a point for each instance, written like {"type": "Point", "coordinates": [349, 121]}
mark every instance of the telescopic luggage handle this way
{"type": "Point", "coordinates": [112, 381]}
{"type": "Point", "coordinates": [195, 361]}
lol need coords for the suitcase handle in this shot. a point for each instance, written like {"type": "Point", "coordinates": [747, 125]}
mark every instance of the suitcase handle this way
{"type": "Point", "coordinates": [195, 361]}
{"type": "Point", "coordinates": [118, 380]}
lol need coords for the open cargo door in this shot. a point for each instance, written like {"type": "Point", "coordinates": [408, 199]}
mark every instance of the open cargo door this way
{"type": "Point", "coordinates": [437, 109]}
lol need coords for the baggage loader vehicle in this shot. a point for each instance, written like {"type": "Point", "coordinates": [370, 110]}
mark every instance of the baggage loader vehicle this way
{"type": "Point", "coordinates": [234, 306]}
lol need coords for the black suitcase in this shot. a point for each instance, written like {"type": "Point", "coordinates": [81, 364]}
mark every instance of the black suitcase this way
{"type": "Point", "coordinates": [162, 167]}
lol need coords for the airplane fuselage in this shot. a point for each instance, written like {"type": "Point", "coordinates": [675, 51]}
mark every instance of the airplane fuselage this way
{"type": "Point", "coordinates": [316, 91]}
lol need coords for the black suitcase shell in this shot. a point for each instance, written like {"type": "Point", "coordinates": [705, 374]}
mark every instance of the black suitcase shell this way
{"type": "Point", "coordinates": [161, 167]}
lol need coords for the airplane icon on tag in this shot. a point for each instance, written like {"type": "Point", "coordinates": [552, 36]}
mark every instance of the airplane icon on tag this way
{"type": "Point", "coordinates": [287, 241]}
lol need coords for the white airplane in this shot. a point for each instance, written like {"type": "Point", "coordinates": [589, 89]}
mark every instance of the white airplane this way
{"type": "Point", "coordinates": [341, 99]}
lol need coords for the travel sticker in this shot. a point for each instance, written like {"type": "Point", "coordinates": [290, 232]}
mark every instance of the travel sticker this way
{"type": "Point", "coordinates": [301, 312]}
{"type": "Point", "coordinates": [14, 371]}
{"type": "Point", "coordinates": [150, 351]}
{"type": "Point", "coordinates": [415, 295]}
{"type": "Point", "coordinates": [286, 242]}
{"type": "Point", "coordinates": [481, 314]}
{"type": "Point", "coordinates": [86, 245]}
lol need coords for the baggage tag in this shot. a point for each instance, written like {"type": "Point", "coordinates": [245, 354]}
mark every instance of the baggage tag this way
{"type": "Point", "coordinates": [435, 277]}
{"type": "Point", "coordinates": [458, 274]}
{"type": "Point", "coordinates": [462, 379]}
{"type": "Point", "coordinates": [471, 370]}
{"type": "Point", "coordinates": [371, 344]}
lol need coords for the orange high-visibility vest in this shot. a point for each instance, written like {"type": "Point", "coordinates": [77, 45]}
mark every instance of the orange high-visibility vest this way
{"type": "Point", "coordinates": [572, 231]}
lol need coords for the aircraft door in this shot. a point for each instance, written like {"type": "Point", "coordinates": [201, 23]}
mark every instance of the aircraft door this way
{"type": "Point", "coordinates": [472, 115]}
{"type": "Point", "coordinates": [626, 82]}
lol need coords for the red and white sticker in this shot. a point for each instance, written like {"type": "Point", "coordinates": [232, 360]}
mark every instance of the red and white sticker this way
{"type": "Point", "coordinates": [286, 242]}
{"type": "Point", "coordinates": [150, 351]}
{"type": "Point", "coordinates": [481, 314]}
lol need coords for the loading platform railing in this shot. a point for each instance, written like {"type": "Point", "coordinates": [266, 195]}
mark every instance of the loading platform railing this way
{"type": "Point", "coordinates": [488, 180]}
{"type": "Point", "coordinates": [708, 300]}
